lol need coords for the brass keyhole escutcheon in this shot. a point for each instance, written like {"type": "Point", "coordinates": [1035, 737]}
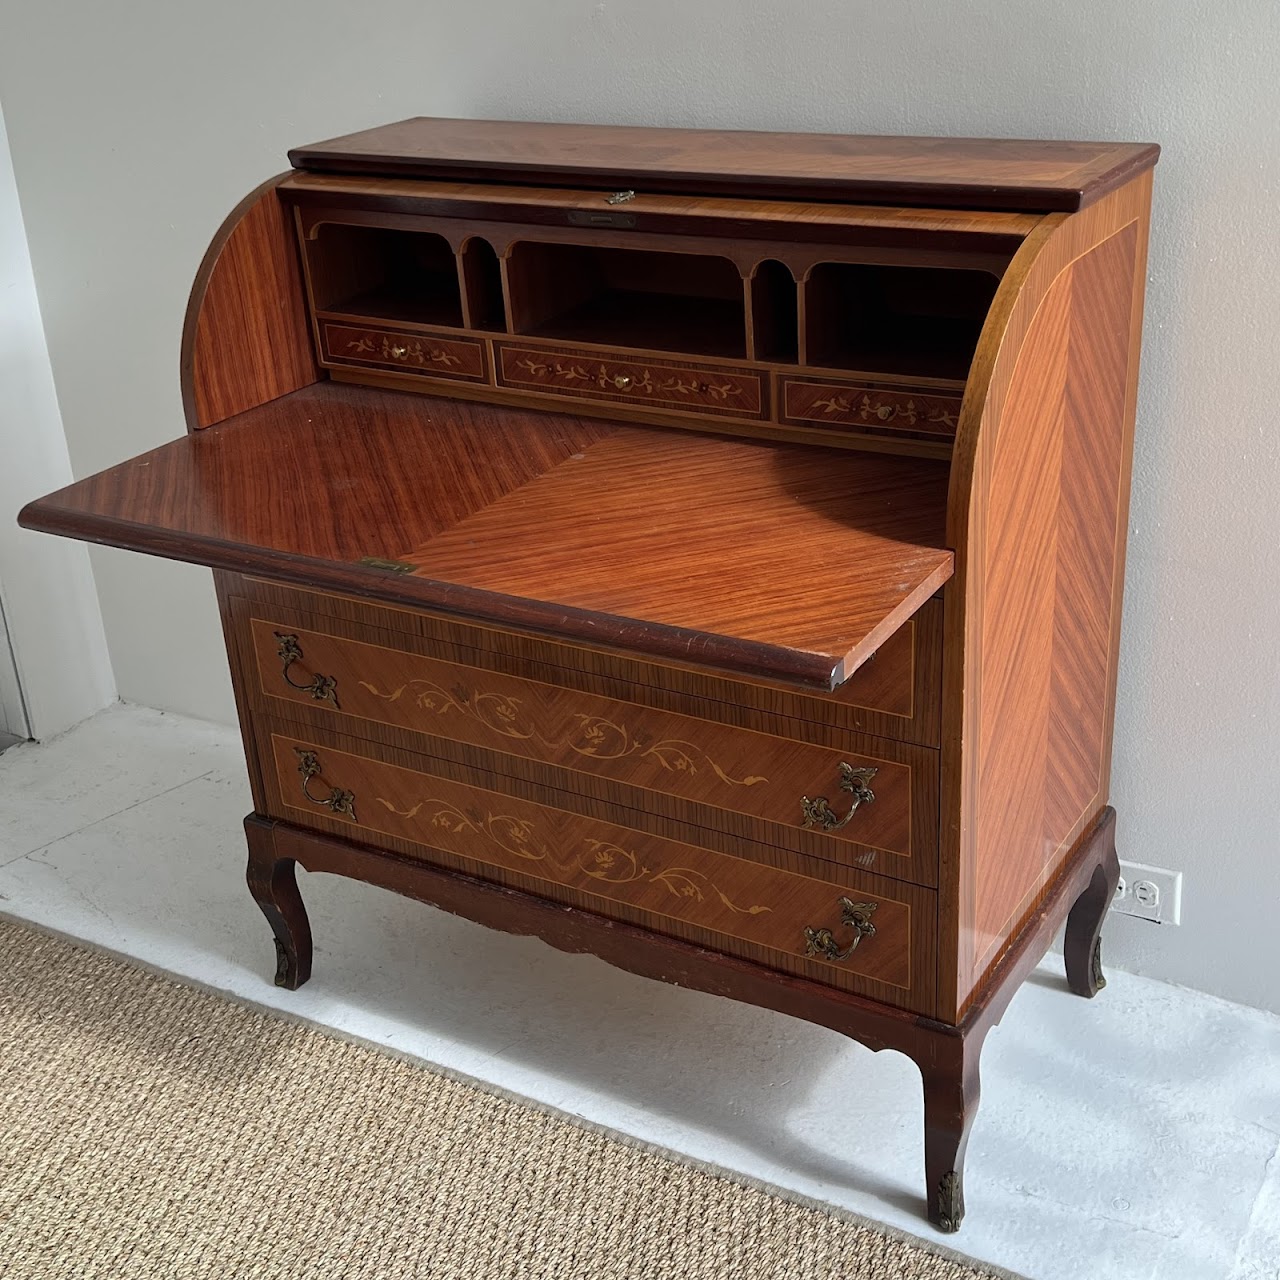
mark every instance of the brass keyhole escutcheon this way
{"type": "Point", "coordinates": [622, 381]}
{"type": "Point", "coordinates": [399, 352]}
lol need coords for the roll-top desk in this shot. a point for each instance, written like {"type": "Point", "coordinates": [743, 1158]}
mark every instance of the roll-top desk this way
{"type": "Point", "coordinates": [700, 550]}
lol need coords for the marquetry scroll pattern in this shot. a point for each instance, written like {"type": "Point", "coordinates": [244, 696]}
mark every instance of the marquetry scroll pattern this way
{"type": "Point", "coordinates": [595, 736]}
{"type": "Point", "coordinates": [600, 860]}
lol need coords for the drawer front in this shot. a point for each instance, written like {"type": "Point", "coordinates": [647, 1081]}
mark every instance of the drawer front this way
{"type": "Point", "coordinates": [814, 402]}
{"type": "Point", "coordinates": [896, 694]}
{"type": "Point", "coordinates": [765, 913]}
{"type": "Point", "coordinates": [423, 353]}
{"type": "Point", "coordinates": [735, 393]}
{"type": "Point", "coordinates": [854, 809]}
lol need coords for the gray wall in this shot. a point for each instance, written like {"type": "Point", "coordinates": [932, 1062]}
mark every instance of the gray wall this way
{"type": "Point", "coordinates": [51, 636]}
{"type": "Point", "coordinates": [135, 128]}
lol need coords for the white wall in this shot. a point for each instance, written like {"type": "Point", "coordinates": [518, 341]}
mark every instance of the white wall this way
{"type": "Point", "coordinates": [135, 128]}
{"type": "Point", "coordinates": [50, 605]}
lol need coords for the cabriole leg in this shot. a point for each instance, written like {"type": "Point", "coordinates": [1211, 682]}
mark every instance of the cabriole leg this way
{"type": "Point", "coordinates": [275, 889]}
{"type": "Point", "coordinates": [951, 1090]}
{"type": "Point", "coordinates": [1083, 942]}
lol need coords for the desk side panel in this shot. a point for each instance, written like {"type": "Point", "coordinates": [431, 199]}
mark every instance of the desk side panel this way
{"type": "Point", "coordinates": [247, 338]}
{"type": "Point", "coordinates": [1038, 515]}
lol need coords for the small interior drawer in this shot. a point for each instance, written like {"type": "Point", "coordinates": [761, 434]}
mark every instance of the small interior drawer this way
{"type": "Point", "coordinates": [868, 804]}
{"type": "Point", "coordinates": [765, 913]}
{"type": "Point", "coordinates": [601, 375]}
{"type": "Point", "coordinates": [417, 352]}
{"type": "Point", "coordinates": [870, 406]}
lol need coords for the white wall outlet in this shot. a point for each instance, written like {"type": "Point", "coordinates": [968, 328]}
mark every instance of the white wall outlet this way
{"type": "Point", "coordinates": [1150, 893]}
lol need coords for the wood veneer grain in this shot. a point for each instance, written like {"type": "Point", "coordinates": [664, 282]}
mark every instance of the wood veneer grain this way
{"type": "Point", "coordinates": [246, 339]}
{"type": "Point", "coordinates": [308, 485]}
{"type": "Point", "coordinates": [780, 547]}
{"type": "Point", "coordinates": [982, 172]}
{"type": "Point", "coordinates": [1037, 512]}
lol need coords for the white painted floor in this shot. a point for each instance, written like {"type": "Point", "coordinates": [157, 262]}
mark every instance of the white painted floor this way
{"type": "Point", "coordinates": [1136, 1135]}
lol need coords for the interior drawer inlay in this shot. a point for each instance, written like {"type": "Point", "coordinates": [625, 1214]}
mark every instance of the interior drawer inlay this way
{"type": "Point", "coordinates": [832, 804]}
{"type": "Point", "coordinates": [425, 353]}
{"type": "Point", "coordinates": [812, 401]}
{"type": "Point", "coordinates": [839, 929]}
{"type": "Point", "coordinates": [562, 371]}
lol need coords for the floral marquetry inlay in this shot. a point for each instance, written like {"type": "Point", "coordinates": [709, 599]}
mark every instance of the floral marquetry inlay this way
{"type": "Point", "coordinates": [439, 355]}
{"type": "Point", "coordinates": [926, 411]}
{"type": "Point", "coordinates": [406, 350]}
{"type": "Point", "coordinates": [561, 371]}
{"type": "Point", "coordinates": [594, 736]}
{"type": "Point", "coordinates": [704, 388]}
{"type": "Point", "coordinates": [600, 860]}
{"type": "Point", "coordinates": [884, 410]}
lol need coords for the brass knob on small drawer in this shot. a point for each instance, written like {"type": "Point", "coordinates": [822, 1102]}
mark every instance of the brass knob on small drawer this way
{"type": "Point", "coordinates": [321, 688]}
{"type": "Point", "coordinates": [340, 801]}
{"type": "Point", "coordinates": [622, 381]}
{"type": "Point", "coordinates": [819, 813]}
{"type": "Point", "coordinates": [399, 352]}
{"type": "Point", "coordinates": [821, 944]}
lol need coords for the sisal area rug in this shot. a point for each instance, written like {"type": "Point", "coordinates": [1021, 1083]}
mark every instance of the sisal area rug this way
{"type": "Point", "coordinates": [151, 1129]}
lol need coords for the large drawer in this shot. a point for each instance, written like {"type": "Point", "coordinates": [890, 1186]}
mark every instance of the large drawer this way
{"type": "Point", "coordinates": [875, 809]}
{"type": "Point", "coordinates": [894, 694]}
{"type": "Point", "coordinates": [859, 933]}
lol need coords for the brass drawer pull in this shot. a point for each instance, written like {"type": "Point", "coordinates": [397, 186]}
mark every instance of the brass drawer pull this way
{"type": "Point", "coordinates": [822, 944]}
{"type": "Point", "coordinates": [321, 688]}
{"type": "Point", "coordinates": [818, 813]}
{"type": "Point", "coordinates": [340, 801]}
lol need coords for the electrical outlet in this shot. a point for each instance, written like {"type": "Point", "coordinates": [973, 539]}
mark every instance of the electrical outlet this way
{"type": "Point", "coordinates": [1150, 893]}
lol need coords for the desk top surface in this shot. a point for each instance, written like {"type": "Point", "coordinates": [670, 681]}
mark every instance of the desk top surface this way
{"type": "Point", "coordinates": [770, 560]}
{"type": "Point", "coordinates": [972, 173]}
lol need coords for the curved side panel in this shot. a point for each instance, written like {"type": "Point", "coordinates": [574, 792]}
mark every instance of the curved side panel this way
{"type": "Point", "coordinates": [1038, 515]}
{"type": "Point", "coordinates": [246, 339]}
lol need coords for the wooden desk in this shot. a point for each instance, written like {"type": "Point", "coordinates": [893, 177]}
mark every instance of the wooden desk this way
{"type": "Point", "coordinates": [717, 576]}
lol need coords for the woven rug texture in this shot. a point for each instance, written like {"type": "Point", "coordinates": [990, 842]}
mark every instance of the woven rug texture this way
{"type": "Point", "coordinates": [151, 1129]}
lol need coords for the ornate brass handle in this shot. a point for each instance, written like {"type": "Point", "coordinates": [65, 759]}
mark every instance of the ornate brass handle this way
{"type": "Point", "coordinates": [853, 915]}
{"type": "Point", "coordinates": [340, 801]}
{"type": "Point", "coordinates": [818, 813]}
{"type": "Point", "coordinates": [321, 688]}
{"type": "Point", "coordinates": [399, 352]}
{"type": "Point", "coordinates": [622, 381]}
